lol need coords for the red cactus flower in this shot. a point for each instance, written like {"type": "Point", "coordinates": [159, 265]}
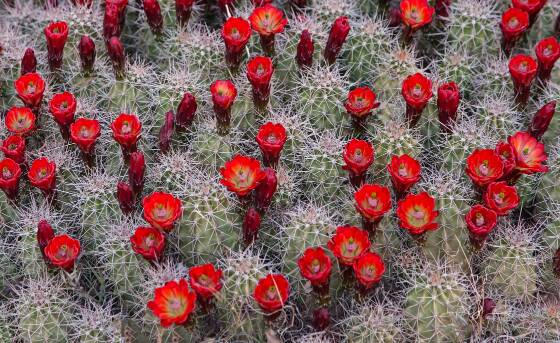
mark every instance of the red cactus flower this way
{"type": "Point", "coordinates": [63, 107]}
{"type": "Point", "coordinates": [448, 103]}
{"type": "Point", "coordinates": [186, 111]}
{"type": "Point", "coordinates": [84, 133]}
{"type": "Point", "coordinates": [416, 91]}
{"type": "Point", "coordinates": [126, 131]}
{"type": "Point", "coordinates": [305, 50]}
{"type": "Point", "coordinates": [115, 50]}
{"type": "Point", "coordinates": [272, 292]}
{"type": "Point", "coordinates": [417, 213]}
{"type": "Point", "coordinates": [125, 197]}
{"type": "Point", "coordinates": [372, 202]}
{"type": "Point", "coordinates": [416, 13]}
{"type": "Point", "coordinates": [45, 234]}
{"type": "Point", "coordinates": [348, 244]}
{"type": "Point", "coordinates": [523, 70]}
{"type": "Point", "coordinates": [533, 7]}
{"type": "Point", "coordinates": [360, 102]}
{"type": "Point", "coordinates": [173, 303]}
{"type": "Point", "coordinates": [223, 96]}
{"type": "Point", "coordinates": [259, 74]}
{"type": "Point", "coordinates": [136, 169]}
{"type": "Point", "coordinates": [111, 22]}
{"type": "Point", "coordinates": [14, 147]}
{"type": "Point", "coordinates": [404, 171]}
{"type": "Point", "coordinates": [271, 138]}
{"type": "Point", "coordinates": [542, 119]}
{"type": "Point", "coordinates": [358, 156]}
{"type": "Point", "coordinates": [337, 36]}
{"type": "Point", "coordinates": [548, 52]}
{"type": "Point", "coordinates": [153, 15]}
{"type": "Point", "coordinates": [236, 33]}
{"type": "Point", "coordinates": [480, 221]}
{"type": "Point", "coordinates": [266, 189]}
{"type": "Point", "coordinates": [20, 121]}
{"type": "Point", "coordinates": [42, 174]}
{"type": "Point", "coordinates": [205, 280]}
{"type": "Point", "coordinates": [162, 210]}
{"type": "Point", "coordinates": [501, 198]}
{"type": "Point", "coordinates": [86, 48]}
{"type": "Point", "coordinates": [484, 166]}
{"type": "Point", "coordinates": [315, 265]}
{"type": "Point", "coordinates": [30, 88]}
{"type": "Point", "coordinates": [241, 174]}
{"type": "Point", "coordinates": [514, 23]}
{"type": "Point", "coordinates": [9, 179]}
{"type": "Point", "coordinates": [62, 251]}
{"type": "Point", "coordinates": [148, 242]}
{"type": "Point", "coordinates": [369, 269]}
{"type": "Point", "coordinates": [506, 153]}
{"type": "Point", "coordinates": [56, 34]}
{"type": "Point", "coordinates": [529, 153]}
{"type": "Point", "coordinates": [183, 10]}
{"type": "Point", "coordinates": [251, 225]}
{"type": "Point", "coordinates": [28, 62]}
{"type": "Point", "coordinates": [267, 21]}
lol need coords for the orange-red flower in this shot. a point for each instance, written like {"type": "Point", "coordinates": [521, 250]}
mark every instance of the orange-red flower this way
{"type": "Point", "coordinates": [63, 107]}
{"type": "Point", "coordinates": [416, 13]}
{"type": "Point", "coordinates": [417, 91]}
{"type": "Point", "coordinates": [373, 201]}
{"type": "Point", "coordinates": [348, 244]}
{"type": "Point", "coordinates": [530, 6]}
{"type": "Point", "coordinates": [20, 121]}
{"type": "Point", "coordinates": [62, 251]}
{"type": "Point", "coordinates": [259, 74]}
{"type": "Point", "coordinates": [241, 174]}
{"type": "Point", "coordinates": [173, 303]}
{"type": "Point", "coordinates": [315, 265]}
{"type": "Point", "coordinates": [523, 69]}
{"type": "Point", "coordinates": [404, 171]}
{"type": "Point", "coordinates": [30, 88]}
{"type": "Point", "coordinates": [42, 174]}
{"type": "Point", "coordinates": [267, 20]}
{"type": "Point", "coordinates": [506, 153]}
{"type": "Point", "coordinates": [272, 292]}
{"type": "Point", "coordinates": [223, 94]}
{"type": "Point", "coordinates": [358, 156]}
{"type": "Point", "coordinates": [417, 213]}
{"type": "Point", "coordinates": [236, 33]}
{"type": "Point", "coordinates": [14, 147]}
{"type": "Point", "coordinates": [9, 177]}
{"type": "Point", "coordinates": [56, 34]}
{"type": "Point", "coordinates": [126, 131]}
{"type": "Point", "coordinates": [501, 198]}
{"type": "Point", "coordinates": [148, 242]}
{"type": "Point", "coordinates": [360, 102]}
{"type": "Point", "coordinates": [548, 52]}
{"type": "Point", "coordinates": [205, 280]}
{"type": "Point", "coordinates": [484, 166]}
{"type": "Point", "coordinates": [514, 23]}
{"type": "Point", "coordinates": [271, 138]}
{"type": "Point", "coordinates": [480, 221]}
{"type": "Point", "coordinates": [529, 153]}
{"type": "Point", "coordinates": [84, 133]}
{"type": "Point", "coordinates": [162, 210]}
{"type": "Point", "coordinates": [369, 269]}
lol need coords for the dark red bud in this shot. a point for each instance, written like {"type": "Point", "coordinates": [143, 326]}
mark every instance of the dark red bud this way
{"type": "Point", "coordinates": [28, 62]}
{"type": "Point", "coordinates": [136, 169]}
{"type": "Point", "coordinates": [45, 234]}
{"type": "Point", "coordinates": [542, 120]}
{"type": "Point", "coordinates": [556, 263]}
{"type": "Point", "coordinates": [321, 319]}
{"type": "Point", "coordinates": [86, 47]}
{"type": "Point", "coordinates": [153, 14]}
{"type": "Point", "coordinates": [488, 306]}
{"type": "Point", "coordinates": [251, 225]}
{"type": "Point", "coordinates": [111, 25]}
{"type": "Point", "coordinates": [337, 37]}
{"type": "Point", "coordinates": [183, 9]}
{"type": "Point", "coordinates": [305, 50]}
{"type": "Point", "coordinates": [126, 197]}
{"type": "Point", "coordinates": [395, 17]}
{"type": "Point", "coordinates": [442, 8]}
{"type": "Point", "coordinates": [116, 53]}
{"type": "Point", "coordinates": [166, 132]}
{"type": "Point", "coordinates": [186, 111]}
{"type": "Point", "coordinates": [266, 189]}
{"type": "Point", "coordinates": [448, 103]}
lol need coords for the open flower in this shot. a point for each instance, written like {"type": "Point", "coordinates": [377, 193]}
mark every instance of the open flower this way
{"type": "Point", "coordinates": [360, 102]}
{"type": "Point", "coordinates": [514, 23]}
{"type": "Point", "coordinates": [417, 91]}
{"type": "Point", "coordinates": [62, 251]}
{"type": "Point", "coordinates": [56, 34]}
{"type": "Point", "coordinates": [84, 133]}
{"type": "Point", "coordinates": [532, 7]}
{"type": "Point", "coordinates": [548, 52]}
{"type": "Point", "coordinates": [173, 303]}
{"type": "Point", "coordinates": [416, 13]}
{"type": "Point", "coordinates": [63, 107]}
{"type": "Point", "coordinates": [162, 210]}
{"type": "Point", "coordinates": [271, 139]}
{"type": "Point", "coordinates": [42, 174]}
{"type": "Point", "coordinates": [529, 153]}
{"type": "Point", "coordinates": [14, 147]}
{"type": "Point", "coordinates": [272, 292]}
{"type": "Point", "coordinates": [404, 171]}
{"type": "Point", "coordinates": [20, 121]}
{"type": "Point", "coordinates": [348, 244]}
{"type": "Point", "coordinates": [372, 201]}
{"type": "Point", "coordinates": [480, 221]}
{"type": "Point", "coordinates": [315, 265]}
{"type": "Point", "coordinates": [484, 166]}
{"type": "Point", "coordinates": [267, 20]}
{"type": "Point", "coordinates": [126, 131]}
{"type": "Point", "coordinates": [507, 154]}
{"type": "Point", "coordinates": [223, 94]}
{"type": "Point", "coordinates": [241, 174]}
{"type": "Point", "coordinates": [523, 69]}
{"type": "Point", "coordinates": [205, 280]}
{"type": "Point", "coordinates": [9, 177]}
{"type": "Point", "coordinates": [358, 156]}
{"type": "Point", "coordinates": [148, 242]}
{"type": "Point", "coordinates": [259, 74]}
{"type": "Point", "coordinates": [236, 33]}
{"type": "Point", "coordinates": [417, 213]}
{"type": "Point", "coordinates": [30, 88]}
{"type": "Point", "coordinates": [501, 198]}
{"type": "Point", "coordinates": [369, 269]}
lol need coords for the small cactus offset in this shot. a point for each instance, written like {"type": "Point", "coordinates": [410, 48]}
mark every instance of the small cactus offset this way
{"type": "Point", "coordinates": [279, 171]}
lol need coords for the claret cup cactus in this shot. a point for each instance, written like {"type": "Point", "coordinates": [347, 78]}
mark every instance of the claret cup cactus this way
{"type": "Point", "coordinates": [279, 171]}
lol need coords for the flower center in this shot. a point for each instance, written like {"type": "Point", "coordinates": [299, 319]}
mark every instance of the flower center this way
{"type": "Point", "coordinates": [175, 305]}
{"type": "Point", "coordinates": [548, 50]}
{"type": "Point", "coordinates": [358, 156]}
{"type": "Point", "coordinates": [149, 241]}
{"type": "Point", "coordinates": [479, 220]}
{"type": "Point", "coordinates": [417, 91]}
{"type": "Point", "coordinates": [12, 146]}
{"type": "Point", "coordinates": [351, 246]}
{"type": "Point", "coordinates": [368, 271]}
{"type": "Point", "coordinates": [513, 23]}
{"type": "Point", "coordinates": [499, 198]}
{"type": "Point", "coordinates": [414, 14]}
{"type": "Point", "coordinates": [62, 252]}
{"type": "Point", "coordinates": [31, 88]}
{"type": "Point", "coordinates": [260, 70]}
{"type": "Point", "coordinates": [6, 173]}
{"type": "Point", "coordinates": [126, 129]}
{"type": "Point", "coordinates": [315, 266]}
{"type": "Point", "coordinates": [235, 34]}
{"type": "Point", "coordinates": [272, 293]}
{"type": "Point", "coordinates": [402, 171]}
{"type": "Point", "coordinates": [64, 105]}
{"type": "Point", "coordinates": [161, 212]}
{"type": "Point", "coordinates": [372, 201]}
{"type": "Point", "coordinates": [523, 67]}
{"type": "Point", "coordinates": [43, 173]}
{"type": "Point", "coordinates": [271, 138]}
{"type": "Point", "coordinates": [84, 132]}
{"type": "Point", "coordinates": [204, 280]}
{"type": "Point", "coordinates": [418, 214]}
{"type": "Point", "coordinates": [483, 168]}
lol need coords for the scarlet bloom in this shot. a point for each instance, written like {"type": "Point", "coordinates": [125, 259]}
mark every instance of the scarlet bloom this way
{"type": "Point", "coordinates": [20, 121]}
{"type": "Point", "coordinates": [348, 244]}
{"type": "Point", "coordinates": [404, 171]}
{"type": "Point", "coordinates": [259, 73]}
{"type": "Point", "coordinates": [241, 174]}
{"type": "Point", "coordinates": [416, 13]}
{"type": "Point", "coordinates": [417, 91]}
{"type": "Point", "coordinates": [530, 6]}
{"type": "Point", "coordinates": [523, 69]}
{"type": "Point", "coordinates": [480, 221]}
{"type": "Point", "coordinates": [14, 147]}
{"type": "Point", "coordinates": [126, 130]}
{"type": "Point", "coordinates": [315, 265]}
{"type": "Point", "coordinates": [148, 242]}
{"type": "Point", "coordinates": [271, 138]}
{"type": "Point", "coordinates": [84, 133]}
{"type": "Point", "coordinates": [337, 36]}
{"type": "Point", "coordinates": [42, 174]}
{"type": "Point", "coordinates": [272, 292]}
{"type": "Point", "coordinates": [236, 33]}
{"type": "Point", "coordinates": [529, 153]}
{"type": "Point", "coordinates": [62, 251]}
{"type": "Point", "coordinates": [162, 210]}
{"type": "Point", "coordinates": [205, 280]}
{"type": "Point", "coordinates": [501, 198]}
{"type": "Point", "coordinates": [267, 20]}
{"type": "Point", "coordinates": [56, 34]}
{"type": "Point", "coordinates": [358, 156]}
{"type": "Point", "coordinates": [548, 52]}
{"type": "Point", "coordinates": [484, 166]}
{"type": "Point", "coordinates": [63, 107]}
{"type": "Point", "coordinates": [417, 213]}
{"type": "Point", "coordinates": [30, 88]}
{"type": "Point", "coordinates": [373, 201]}
{"type": "Point", "coordinates": [223, 94]}
{"type": "Point", "coordinates": [448, 103]}
{"type": "Point", "coordinates": [305, 50]}
{"type": "Point", "coordinates": [173, 303]}
{"type": "Point", "coordinates": [360, 102]}
{"type": "Point", "coordinates": [541, 120]}
{"type": "Point", "coordinates": [9, 179]}
{"type": "Point", "coordinates": [506, 153]}
{"type": "Point", "coordinates": [514, 23]}
{"type": "Point", "coordinates": [369, 269]}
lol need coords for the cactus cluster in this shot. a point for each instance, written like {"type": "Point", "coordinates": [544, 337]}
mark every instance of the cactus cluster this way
{"type": "Point", "coordinates": [279, 171]}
